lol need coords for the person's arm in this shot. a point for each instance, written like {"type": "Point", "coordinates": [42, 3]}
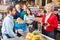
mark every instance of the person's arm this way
{"type": "Point", "coordinates": [9, 29]}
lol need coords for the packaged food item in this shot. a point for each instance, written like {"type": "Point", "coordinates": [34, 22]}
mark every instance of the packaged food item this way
{"type": "Point", "coordinates": [19, 20]}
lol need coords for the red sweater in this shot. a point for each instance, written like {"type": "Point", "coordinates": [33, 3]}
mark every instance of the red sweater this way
{"type": "Point", "coordinates": [52, 20]}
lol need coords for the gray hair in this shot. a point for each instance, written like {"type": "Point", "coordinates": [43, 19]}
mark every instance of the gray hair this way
{"type": "Point", "coordinates": [49, 6]}
{"type": "Point", "coordinates": [17, 5]}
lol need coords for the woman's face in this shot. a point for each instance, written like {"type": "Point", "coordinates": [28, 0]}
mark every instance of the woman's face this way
{"type": "Point", "coordinates": [28, 12]}
{"type": "Point", "coordinates": [48, 9]}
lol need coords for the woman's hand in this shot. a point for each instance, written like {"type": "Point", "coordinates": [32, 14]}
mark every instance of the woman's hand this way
{"type": "Point", "coordinates": [46, 26]}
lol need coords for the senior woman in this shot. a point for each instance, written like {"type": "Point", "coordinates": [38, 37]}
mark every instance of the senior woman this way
{"type": "Point", "coordinates": [49, 21]}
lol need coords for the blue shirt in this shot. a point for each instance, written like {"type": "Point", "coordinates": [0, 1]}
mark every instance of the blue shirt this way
{"type": "Point", "coordinates": [7, 26]}
{"type": "Point", "coordinates": [17, 15]}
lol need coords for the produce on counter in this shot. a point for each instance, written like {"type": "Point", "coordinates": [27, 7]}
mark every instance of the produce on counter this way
{"type": "Point", "coordinates": [36, 37]}
{"type": "Point", "coordinates": [33, 36]}
{"type": "Point", "coordinates": [29, 36]}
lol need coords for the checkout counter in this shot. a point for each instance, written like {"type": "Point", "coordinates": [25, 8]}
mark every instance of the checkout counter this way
{"type": "Point", "coordinates": [22, 38]}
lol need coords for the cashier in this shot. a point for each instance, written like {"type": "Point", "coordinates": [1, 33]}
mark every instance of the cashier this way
{"type": "Point", "coordinates": [49, 21]}
{"type": "Point", "coordinates": [8, 24]}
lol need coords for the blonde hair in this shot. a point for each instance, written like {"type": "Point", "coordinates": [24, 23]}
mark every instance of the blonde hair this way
{"type": "Point", "coordinates": [49, 5]}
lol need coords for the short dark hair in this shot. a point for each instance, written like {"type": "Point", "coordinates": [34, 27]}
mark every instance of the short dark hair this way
{"type": "Point", "coordinates": [10, 8]}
